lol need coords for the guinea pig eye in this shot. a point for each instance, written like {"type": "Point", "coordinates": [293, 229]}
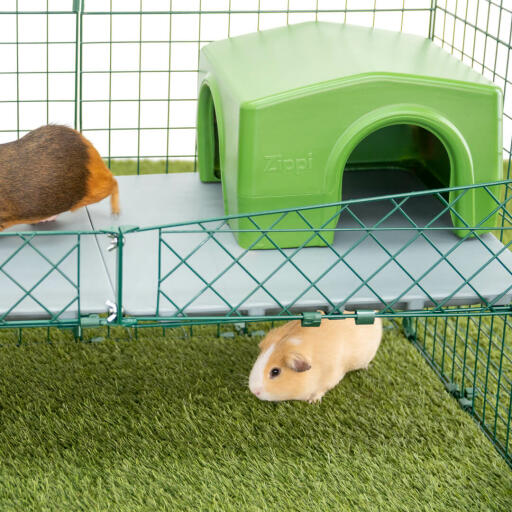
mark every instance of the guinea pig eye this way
{"type": "Point", "coordinates": [274, 372]}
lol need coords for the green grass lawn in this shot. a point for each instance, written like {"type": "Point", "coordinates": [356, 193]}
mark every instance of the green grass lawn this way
{"type": "Point", "coordinates": [167, 423]}
{"type": "Point", "coordinates": [128, 167]}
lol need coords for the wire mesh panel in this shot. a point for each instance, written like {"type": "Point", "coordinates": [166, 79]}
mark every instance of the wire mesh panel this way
{"type": "Point", "coordinates": [480, 34]}
{"type": "Point", "coordinates": [31, 285]}
{"type": "Point", "coordinates": [53, 277]}
{"type": "Point", "coordinates": [39, 274]}
{"type": "Point", "coordinates": [138, 73]}
{"type": "Point", "coordinates": [396, 254]}
{"type": "Point", "coordinates": [138, 59]}
{"type": "Point", "coordinates": [473, 357]}
{"type": "Point", "coordinates": [139, 64]}
{"type": "Point", "coordinates": [38, 44]}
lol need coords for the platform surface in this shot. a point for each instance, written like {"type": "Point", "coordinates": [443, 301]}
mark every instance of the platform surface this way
{"type": "Point", "coordinates": [166, 199]}
{"type": "Point", "coordinates": [55, 290]}
{"type": "Point", "coordinates": [147, 201]}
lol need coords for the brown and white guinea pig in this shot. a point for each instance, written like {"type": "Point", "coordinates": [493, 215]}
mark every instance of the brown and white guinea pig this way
{"type": "Point", "coordinates": [49, 171]}
{"type": "Point", "coordinates": [303, 363]}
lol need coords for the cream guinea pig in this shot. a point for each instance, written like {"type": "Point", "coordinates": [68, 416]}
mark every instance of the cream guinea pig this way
{"type": "Point", "coordinates": [303, 363]}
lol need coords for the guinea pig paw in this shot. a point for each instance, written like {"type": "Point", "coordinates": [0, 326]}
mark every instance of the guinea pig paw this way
{"type": "Point", "coordinates": [49, 219]}
{"type": "Point", "coordinates": [315, 399]}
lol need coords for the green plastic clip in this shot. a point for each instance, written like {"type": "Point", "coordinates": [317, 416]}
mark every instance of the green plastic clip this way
{"type": "Point", "coordinates": [465, 403]}
{"type": "Point", "coordinates": [92, 321]}
{"type": "Point", "coordinates": [453, 389]}
{"type": "Point", "coordinates": [365, 317]}
{"type": "Point", "coordinates": [470, 393]}
{"type": "Point", "coordinates": [311, 319]}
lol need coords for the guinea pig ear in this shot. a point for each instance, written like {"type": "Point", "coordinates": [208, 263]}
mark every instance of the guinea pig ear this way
{"type": "Point", "coordinates": [297, 362]}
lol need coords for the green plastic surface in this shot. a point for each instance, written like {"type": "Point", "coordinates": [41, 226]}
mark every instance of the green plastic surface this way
{"type": "Point", "coordinates": [282, 113]}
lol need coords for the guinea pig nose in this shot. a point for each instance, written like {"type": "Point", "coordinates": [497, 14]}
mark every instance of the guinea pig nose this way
{"type": "Point", "coordinates": [257, 391]}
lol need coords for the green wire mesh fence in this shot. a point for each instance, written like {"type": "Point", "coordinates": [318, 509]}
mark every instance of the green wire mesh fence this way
{"type": "Point", "coordinates": [472, 356]}
{"type": "Point", "coordinates": [258, 285]}
{"type": "Point", "coordinates": [43, 280]}
{"type": "Point", "coordinates": [66, 265]}
{"type": "Point", "coordinates": [416, 262]}
{"type": "Point", "coordinates": [128, 83]}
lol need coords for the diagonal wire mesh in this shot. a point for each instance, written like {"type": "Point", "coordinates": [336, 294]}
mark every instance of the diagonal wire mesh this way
{"type": "Point", "coordinates": [416, 260]}
{"type": "Point", "coordinates": [51, 278]}
{"type": "Point", "coordinates": [39, 275]}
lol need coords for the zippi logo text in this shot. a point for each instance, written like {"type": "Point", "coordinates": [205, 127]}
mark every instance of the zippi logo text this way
{"type": "Point", "coordinates": [276, 163]}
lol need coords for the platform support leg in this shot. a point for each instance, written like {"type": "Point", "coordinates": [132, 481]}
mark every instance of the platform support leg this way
{"type": "Point", "coordinates": [78, 333]}
{"type": "Point", "coordinates": [409, 329]}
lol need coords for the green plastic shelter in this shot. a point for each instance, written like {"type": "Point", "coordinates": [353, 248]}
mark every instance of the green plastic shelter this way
{"type": "Point", "coordinates": [283, 113]}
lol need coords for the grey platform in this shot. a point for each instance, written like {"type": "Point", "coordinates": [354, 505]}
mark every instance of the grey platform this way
{"type": "Point", "coordinates": [165, 199]}
{"type": "Point", "coordinates": [56, 290]}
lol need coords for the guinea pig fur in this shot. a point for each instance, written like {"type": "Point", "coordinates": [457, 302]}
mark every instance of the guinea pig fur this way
{"type": "Point", "coordinates": [303, 363]}
{"type": "Point", "coordinates": [49, 171]}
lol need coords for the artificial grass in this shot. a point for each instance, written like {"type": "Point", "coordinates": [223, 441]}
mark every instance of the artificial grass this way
{"type": "Point", "coordinates": [167, 423]}
{"type": "Point", "coordinates": [146, 166]}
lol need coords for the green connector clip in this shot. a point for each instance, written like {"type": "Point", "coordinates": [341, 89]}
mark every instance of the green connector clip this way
{"type": "Point", "coordinates": [470, 393]}
{"type": "Point", "coordinates": [465, 403]}
{"type": "Point", "coordinates": [311, 319]}
{"type": "Point", "coordinates": [453, 389]}
{"type": "Point", "coordinates": [365, 317]}
{"type": "Point", "coordinates": [92, 321]}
